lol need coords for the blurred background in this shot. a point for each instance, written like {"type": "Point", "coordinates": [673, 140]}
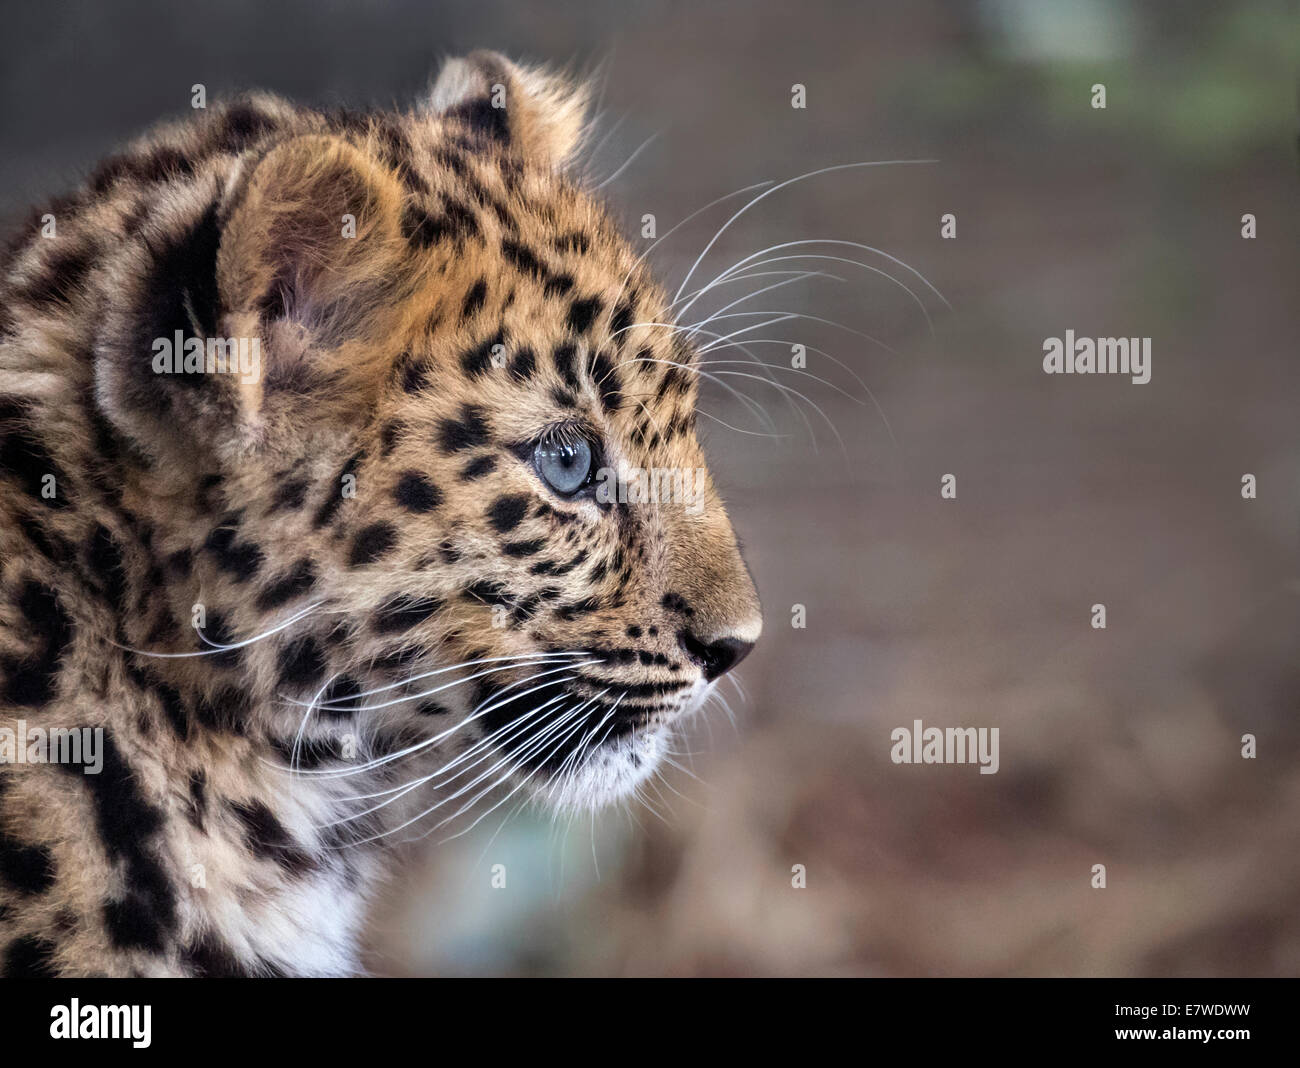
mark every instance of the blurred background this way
{"type": "Point", "coordinates": [1121, 746]}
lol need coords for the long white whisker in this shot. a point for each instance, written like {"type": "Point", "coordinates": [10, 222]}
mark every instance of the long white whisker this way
{"type": "Point", "coordinates": [516, 789]}
{"type": "Point", "coordinates": [491, 704]}
{"type": "Point", "coordinates": [776, 188]}
{"type": "Point", "coordinates": [693, 215]}
{"type": "Point", "coordinates": [643, 146]}
{"type": "Point", "coordinates": [522, 660]}
{"type": "Point", "coordinates": [750, 296]}
{"type": "Point", "coordinates": [802, 396]}
{"type": "Point", "coordinates": [785, 316]}
{"type": "Point", "coordinates": [501, 734]}
{"type": "Point", "coordinates": [744, 398]}
{"type": "Point", "coordinates": [574, 758]}
{"type": "Point", "coordinates": [407, 788]}
{"type": "Point", "coordinates": [838, 362]}
{"type": "Point", "coordinates": [745, 277]}
{"type": "Point", "coordinates": [216, 649]}
{"type": "Point", "coordinates": [420, 694]}
{"type": "Point", "coordinates": [745, 262]}
{"type": "Point", "coordinates": [498, 738]}
{"type": "Point", "coordinates": [515, 762]}
{"type": "Point", "coordinates": [302, 726]}
{"type": "Point", "coordinates": [738, 429]}
{"type": "Point", "coordinates": [720, 314]}
{"type": "Point", "coordinates": [792, 370]}
{"type": "Point", "coordinates": [925, 312]}
{"type": "Point", "coordinates": [591, 152]}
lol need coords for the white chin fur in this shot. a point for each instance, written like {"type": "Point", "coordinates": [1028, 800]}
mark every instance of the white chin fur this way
{"type": "Point", "coordinates": [610, 773]}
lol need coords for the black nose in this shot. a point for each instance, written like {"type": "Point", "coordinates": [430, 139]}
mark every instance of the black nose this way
{"type": "Point", "coordinates": [716, 658]}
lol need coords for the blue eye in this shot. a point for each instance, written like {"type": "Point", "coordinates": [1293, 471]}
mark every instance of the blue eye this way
{"type": "Point", "coordinates": [565, 466]}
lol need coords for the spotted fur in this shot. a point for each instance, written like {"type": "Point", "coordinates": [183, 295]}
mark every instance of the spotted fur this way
{"type": "Point", "coordinates": [366, 510]}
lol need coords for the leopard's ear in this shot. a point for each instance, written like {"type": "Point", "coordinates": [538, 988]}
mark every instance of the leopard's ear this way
{"type": "Point", "coordinates": [312, 238]}
{"type": "Point", "coordinates": [310, 254]}
{"type": "Point", "coordinates": [542, 115]}
{"type": "Point", "coordinates": [297, 271]}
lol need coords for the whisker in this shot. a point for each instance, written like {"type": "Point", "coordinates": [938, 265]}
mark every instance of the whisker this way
{"type": "Point", "coordinates": [522, 659]}
{"type": "Point", "coordinates": [785, 316]}
{"type": "Point", "coordinates": [745, 262]}
{"type": "Point", "coordinates": [447, 685]}
{"type": "Point", "coordinates": [743, 277]}
{"type": "Point", "coordinates": [744, 398]}
{"type": "Point", "coordinates": [411, 786]}
{"type": "Point", "coordinates": [216, 649]}
{"type": "Point", "coordinates": [737, 429]}
{"type": "Point", "coordinates": [925, 312]}
{"type": "Point", "coordinates": [821, 352]}
{"type": "Point", "coordinates": [595, 149]}
{"type": "Point", "coordinates": [497, 738]}
{"type": "Point", "coordinates": [296, 748]}
{"type": "Point", "coordinates": [693, 215]}
{"type": "Point", "coordinates": [489, 705]}
{"type": "Point", "coordinates": [792, 370]}
{"type": "Point", "coordinates": [534, 745]}
{"type": "Point", "coordinates": [750, 296]}
{"type": "Point", "coordinates": [575, 757]}
{"type": "Point", "coordinates": [519, 786]}
{"type": "Point", "coordinates": [776, 188]}
{"type": "Point", "coordinates": [400, 791]}
{"type": "Point", "coordinates": [714, 377]}
{"type": "Point", "coordinates": [643, 146]}
{"type": "Point", "coordinates": [668, 759]}
{"type": "Point", "coordinates": [802, 396]}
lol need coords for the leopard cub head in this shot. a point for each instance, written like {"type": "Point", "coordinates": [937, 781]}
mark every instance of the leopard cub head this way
{"type": "Point", "coordinates": [461, 492]}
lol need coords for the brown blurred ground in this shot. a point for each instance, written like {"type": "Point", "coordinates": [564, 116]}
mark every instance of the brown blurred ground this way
{"type": "Point", "coordinates": [1119, 747]}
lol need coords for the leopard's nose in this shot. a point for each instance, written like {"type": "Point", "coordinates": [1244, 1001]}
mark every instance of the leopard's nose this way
{"type": "Point", "coordinates": [716, 657]}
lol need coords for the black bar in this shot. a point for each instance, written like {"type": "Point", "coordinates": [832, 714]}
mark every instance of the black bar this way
{"type": "Point", "coordinates": [400, 1018]}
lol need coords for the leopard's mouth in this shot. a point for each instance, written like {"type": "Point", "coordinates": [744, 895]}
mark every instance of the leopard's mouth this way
{"type": "Point", "coordinates": [582, 731]}
{"type": "Point", "coordinates": [610, 773]}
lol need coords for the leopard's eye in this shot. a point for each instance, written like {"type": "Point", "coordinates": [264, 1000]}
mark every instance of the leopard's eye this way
{"type": "Point", "coordinates": [565, 465]}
